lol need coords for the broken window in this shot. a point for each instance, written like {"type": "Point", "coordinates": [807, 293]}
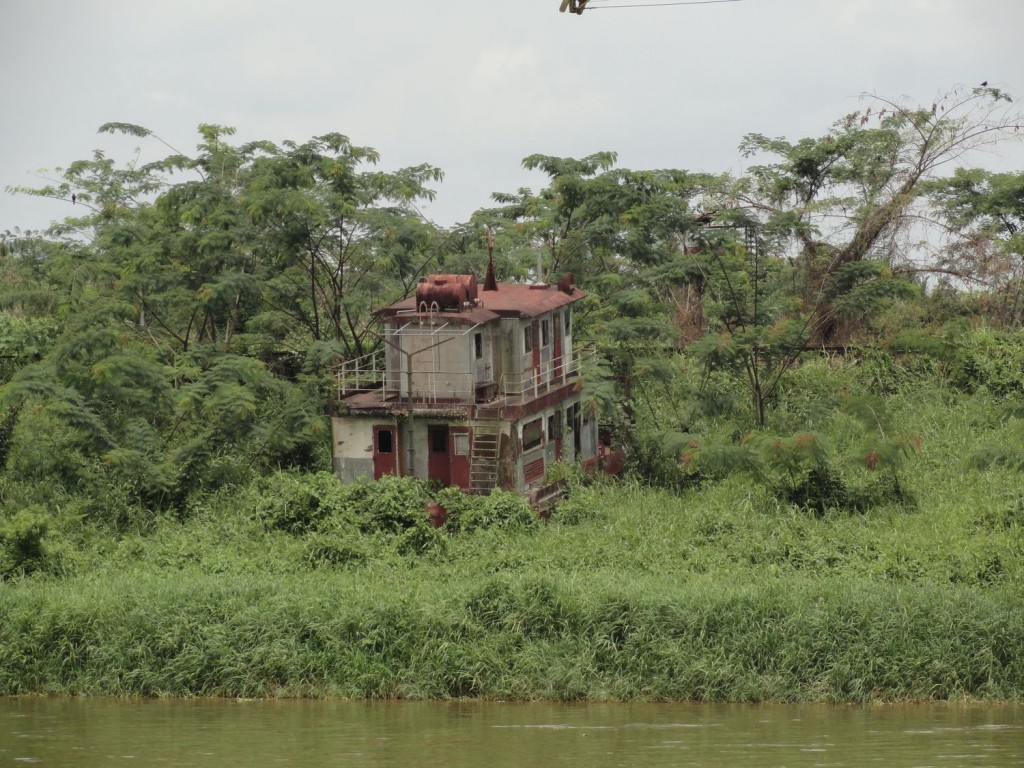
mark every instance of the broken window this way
{"type": "Point", "coordinates": [439, 440]}
{"type": "Point", "coordinates": [533, 434]}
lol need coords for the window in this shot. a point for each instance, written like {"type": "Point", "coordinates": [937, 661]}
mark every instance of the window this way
{"type": "Point", "coordinates": [528, 339]}
{"type": "Point", "coordinates": [385, 441]}
{"type": "Point", "coordinates": [533, 434]}
{"type": "Point", "coordinates": [478, 345]}
{"type": "Point", "coordinates": [460, 442]}
{"type": "Point", "coordinates": [439, 439]}
{"type": "Point", "coordinates": [545, 332]}
{"type": "Point", "coordinates": [568, 322]}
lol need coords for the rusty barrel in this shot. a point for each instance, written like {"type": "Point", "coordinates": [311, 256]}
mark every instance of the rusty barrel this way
{"type": "Point", "coordinates": [436, 513]}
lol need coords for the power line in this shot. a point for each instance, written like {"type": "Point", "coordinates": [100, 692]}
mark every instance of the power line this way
{"type": "Point", "coordinates": [656, 5]}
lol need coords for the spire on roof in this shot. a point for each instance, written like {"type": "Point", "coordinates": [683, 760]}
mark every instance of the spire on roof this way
{"type": "Point", "coordinates": [490, 282]}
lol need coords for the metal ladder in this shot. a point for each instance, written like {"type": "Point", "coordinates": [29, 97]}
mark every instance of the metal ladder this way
{"type": "Point", "coordinates": [483, 458]}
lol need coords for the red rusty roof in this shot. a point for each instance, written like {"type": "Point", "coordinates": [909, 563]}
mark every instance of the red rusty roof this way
{"type": "Point", "coordinates": [510, 300]}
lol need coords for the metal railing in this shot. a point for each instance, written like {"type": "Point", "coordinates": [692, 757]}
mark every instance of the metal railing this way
{"type": "Point", "coordinates": [528, 384]}
{"type": "Point", "coordinates": [369, 374]}
{"type": "Point", "coordinates": [361, 374]}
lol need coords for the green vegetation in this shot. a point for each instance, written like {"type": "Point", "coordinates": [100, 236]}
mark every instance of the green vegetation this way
{"type": "Point", "coordinates": [295, 585]}
{"type": "Point", "coordinates": [823, 497]}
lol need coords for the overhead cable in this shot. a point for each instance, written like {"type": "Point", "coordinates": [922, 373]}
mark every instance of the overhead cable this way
{"type": "Point", "coordinates": [655, 5]}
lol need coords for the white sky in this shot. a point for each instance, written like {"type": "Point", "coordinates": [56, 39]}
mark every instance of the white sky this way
{"type": "Point", "coordinates": [473, 87]}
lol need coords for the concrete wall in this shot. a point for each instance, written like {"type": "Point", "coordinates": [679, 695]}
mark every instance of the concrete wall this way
{"type": "Point", "coordinates": [352, 448]}
{"type": "Point", "coordinates": [484, 366]}
{"type": "Point", "coordinates": [420, 448]}
{"type": "Point", "coordinates": [443, 365]}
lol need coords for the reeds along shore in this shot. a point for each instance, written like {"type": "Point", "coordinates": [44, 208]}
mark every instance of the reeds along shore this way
{"type": "Point", "coordinates": [512, 637]}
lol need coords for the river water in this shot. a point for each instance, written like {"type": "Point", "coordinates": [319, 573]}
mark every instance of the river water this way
{"type": "Point", "coordinates": [114, 732]}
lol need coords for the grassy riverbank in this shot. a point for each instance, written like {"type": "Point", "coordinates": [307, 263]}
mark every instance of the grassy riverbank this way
{"type": "Point", "coordinates": [719, 592]}
{"type": "Point", "coordinates": [514, 636]}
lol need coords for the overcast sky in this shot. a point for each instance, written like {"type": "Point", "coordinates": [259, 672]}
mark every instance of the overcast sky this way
{"type": "Point", "coordinates": [473, 87]}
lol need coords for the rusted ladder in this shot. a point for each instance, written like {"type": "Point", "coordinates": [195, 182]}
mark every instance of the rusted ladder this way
{"type": "Point", "coordinates": [483, 457]}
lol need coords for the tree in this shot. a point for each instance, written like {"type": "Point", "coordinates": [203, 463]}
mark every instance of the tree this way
{"type": "Point", "coordinates": [340, 240]}
{"type": "Point", "coordinates": [179, 297]}
{"type": "Point", "coordinates": [850, 196]}
{"type": "Point", "coordinates": [620, 233]}
{"type": "Point", "coordinates": [757, 330]}
{"type": "Point", "coordinates": [984, 215]}
{"type": "Point", "coordinates": [297, 241]}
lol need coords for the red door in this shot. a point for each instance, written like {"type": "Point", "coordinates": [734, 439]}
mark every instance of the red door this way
{"type": "Point", "coordinates": [439, 464]}
{"type": "Point", "coordinates": [448, 455]}
{"type": "Point", "coordinates": [385, 451]}
{"type": "Point", "coordinates": [459, 438]}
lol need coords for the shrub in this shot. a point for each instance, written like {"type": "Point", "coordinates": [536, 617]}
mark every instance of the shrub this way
{"type": "Point", "coordinates": [299, 503]}
{"type": "Point", "coordinates": [21, 543]}
{"type": "Point", "coordinates": [990, 360]}
{"type": "Point", "coordinates": [458, 505]}
{"type": "Point", "coordinates": [391, 504]}
{"type": "Point", "coordinates": [502, 509]}
{"type": "Point", "coordinates": [817, 489]}
{"type": "Point", "coordinates": [306, 503]}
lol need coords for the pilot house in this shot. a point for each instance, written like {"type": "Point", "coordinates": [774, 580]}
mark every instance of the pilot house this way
{"type": "Point", "coordinates": [473, 387]}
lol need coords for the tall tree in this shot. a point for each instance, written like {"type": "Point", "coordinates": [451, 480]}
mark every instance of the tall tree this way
{"type": "Point", "coordinates": [984, 244]}
{"type": "Point", "coordinates": [340, 240]}
{"type": "Point", "coordinates": [850, 196]}
{"type": "Point", "coordinates": [621, 233]}
{"type": "Point", "coordinates": [178, 297]}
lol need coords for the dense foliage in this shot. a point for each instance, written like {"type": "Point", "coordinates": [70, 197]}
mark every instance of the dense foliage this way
{"type": "Point", "coordinates": [296, 585]}
{"type": "Point", "coordinates": [823, 496]}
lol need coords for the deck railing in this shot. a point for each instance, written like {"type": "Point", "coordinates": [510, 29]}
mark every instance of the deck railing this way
{"type": "Point", "coordinates": [528, 384]}
{"type": "Point", "coordinates": [369, 374]}
{"type": "Point", "coordinates": [361, 374]}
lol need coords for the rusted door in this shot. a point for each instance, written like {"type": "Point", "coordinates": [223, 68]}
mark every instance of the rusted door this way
{"type": "Point", "coordinates": [459, 439]}
{"type": "Point", "coordinates": [385, 451]}
{"type": "Point", "coordinates": [439, 463]}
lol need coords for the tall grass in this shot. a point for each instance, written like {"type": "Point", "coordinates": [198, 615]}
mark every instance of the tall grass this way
{"type": "Point", "coordinates": [512, 636]}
